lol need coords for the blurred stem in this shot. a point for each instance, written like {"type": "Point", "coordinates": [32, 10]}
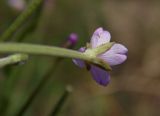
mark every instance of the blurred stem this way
{"type": "Point", "coordinates": [29, 26]}
{"type": "Point", "coordinates": [40, 85]}
{"type": "Point", "coordinates": [21, 19]}
{"type": "Point", "coordinates": [38, 88]}
{"type": "Point", "coordinates": [61, 101]}
{"type": "Point", "coordinates": [12, 59]}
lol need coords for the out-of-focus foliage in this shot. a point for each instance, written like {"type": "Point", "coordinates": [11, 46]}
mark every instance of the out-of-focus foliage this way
{"type": "Point", "coordinates": [134, 87]}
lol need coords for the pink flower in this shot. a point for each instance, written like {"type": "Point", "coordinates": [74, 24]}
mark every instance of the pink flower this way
{"type": "Point", "coordinates": [114, 56]}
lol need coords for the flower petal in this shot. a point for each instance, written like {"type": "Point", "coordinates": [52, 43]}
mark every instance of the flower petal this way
{"type": "Point", "coordinates": [112, 58]}
{"type": "Point", "coordinates": [82, 49]}
{"type": "Point", "coordinates": [100, 37]}
{"type": "Point", "coordinates": [119, 49]}
{"type": "Point", "coordinates": [101, 76]}
{"type": "Point", "coordinates": [79, 62]}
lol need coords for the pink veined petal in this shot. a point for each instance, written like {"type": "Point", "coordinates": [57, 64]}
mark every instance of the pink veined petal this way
{"type": "Point", "coordinates": [100, 37]}
{"type": "Point", "coordinates": [119, 49]}
{"type": "Point", "coordinates": [79, 62]}
{"type": "Point", "coordinates": [101, 76]}
{"type": "Point", "coordinates": [112, 58]}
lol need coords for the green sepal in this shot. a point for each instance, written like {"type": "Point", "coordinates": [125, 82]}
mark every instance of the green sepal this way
{"type": "Point", "coordinates": [102, 64]}
{"type": "Point", "coordinates": [103, 48]}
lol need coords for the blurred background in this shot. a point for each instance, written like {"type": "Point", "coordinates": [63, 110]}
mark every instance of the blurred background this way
{"type": "Point", "coordinates": [134, 89]}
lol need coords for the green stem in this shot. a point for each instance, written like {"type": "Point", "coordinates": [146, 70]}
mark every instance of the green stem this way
{"type": "Point", "coordinates": [38, 88]}
{"type": "Point", "coordinates": [52, 51]}
{"type": "Point", "coordinates": [12, 59]}
{"type": "Point", "coordinates": [61, 101]}
{"type": "Point", "coordinates": [41, 50]}
{"type": "Point", "coordinates": [30, 26]}
{"type": "Point", "coordinates": [21, 19]}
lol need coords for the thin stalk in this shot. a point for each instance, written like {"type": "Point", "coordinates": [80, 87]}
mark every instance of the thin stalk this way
{"type": "Point", "coordinates": [41, 50]}
{"type": "Point", "coordinates": [21, 19]}
{"type": "Point", "coordinates": [12, 59]}
{"type": "Point", "coordinates": [52, 51]}
{"type": "Point", "coordinates": [30, 26]}
{"type": "Point", "coordinates": [38, 88]}
{"type": "Point", "coordinates": [40, 85]}
{"type": "Point", "coordinates": [61, 101]}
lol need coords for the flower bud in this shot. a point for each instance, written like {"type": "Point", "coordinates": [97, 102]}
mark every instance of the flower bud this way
{"type": "Point", "coordinates": [71, 41]}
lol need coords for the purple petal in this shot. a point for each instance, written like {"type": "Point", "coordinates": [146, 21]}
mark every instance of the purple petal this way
{"type": "Point", "coordinates": [101, 76]}
{"type": "Point", "coordinates": [112, 58]}
{"type": "Point", "coordinates": [119, 49]}
{"type": "Point", "coordinates": [79, 62]}
{"type": "Point", "coordinates": [82, 49]}
{"type": "Point", "coordinates": [100, 37]}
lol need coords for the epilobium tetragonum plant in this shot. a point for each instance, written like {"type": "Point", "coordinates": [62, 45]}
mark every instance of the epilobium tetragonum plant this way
{"type": "Point", "coordinates": [98, 56]}
{"type": "Point", "coordinates": [113, 56]}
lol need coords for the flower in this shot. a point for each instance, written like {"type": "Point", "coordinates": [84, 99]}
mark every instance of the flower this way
{"type": "Point", "coordinates": [117, 54]}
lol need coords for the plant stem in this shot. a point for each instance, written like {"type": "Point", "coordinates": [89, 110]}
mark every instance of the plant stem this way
{"type": "Point", "coordinates": [41, 50]}
{"type": "Point", "coordinates": [41, 84]}
{"type": "Point", "coordinates": [38, 88]}
{"type": "Point", "coordinates": [52, 51]}
{"type": "Point", "coordinates": [61, 101]}
{"type": "Point", "coordinates": [30, 26]}
{"type": "Point", "coordinates": [21, 19]}
{"type": "Point", "coordinates": [12, 59]}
